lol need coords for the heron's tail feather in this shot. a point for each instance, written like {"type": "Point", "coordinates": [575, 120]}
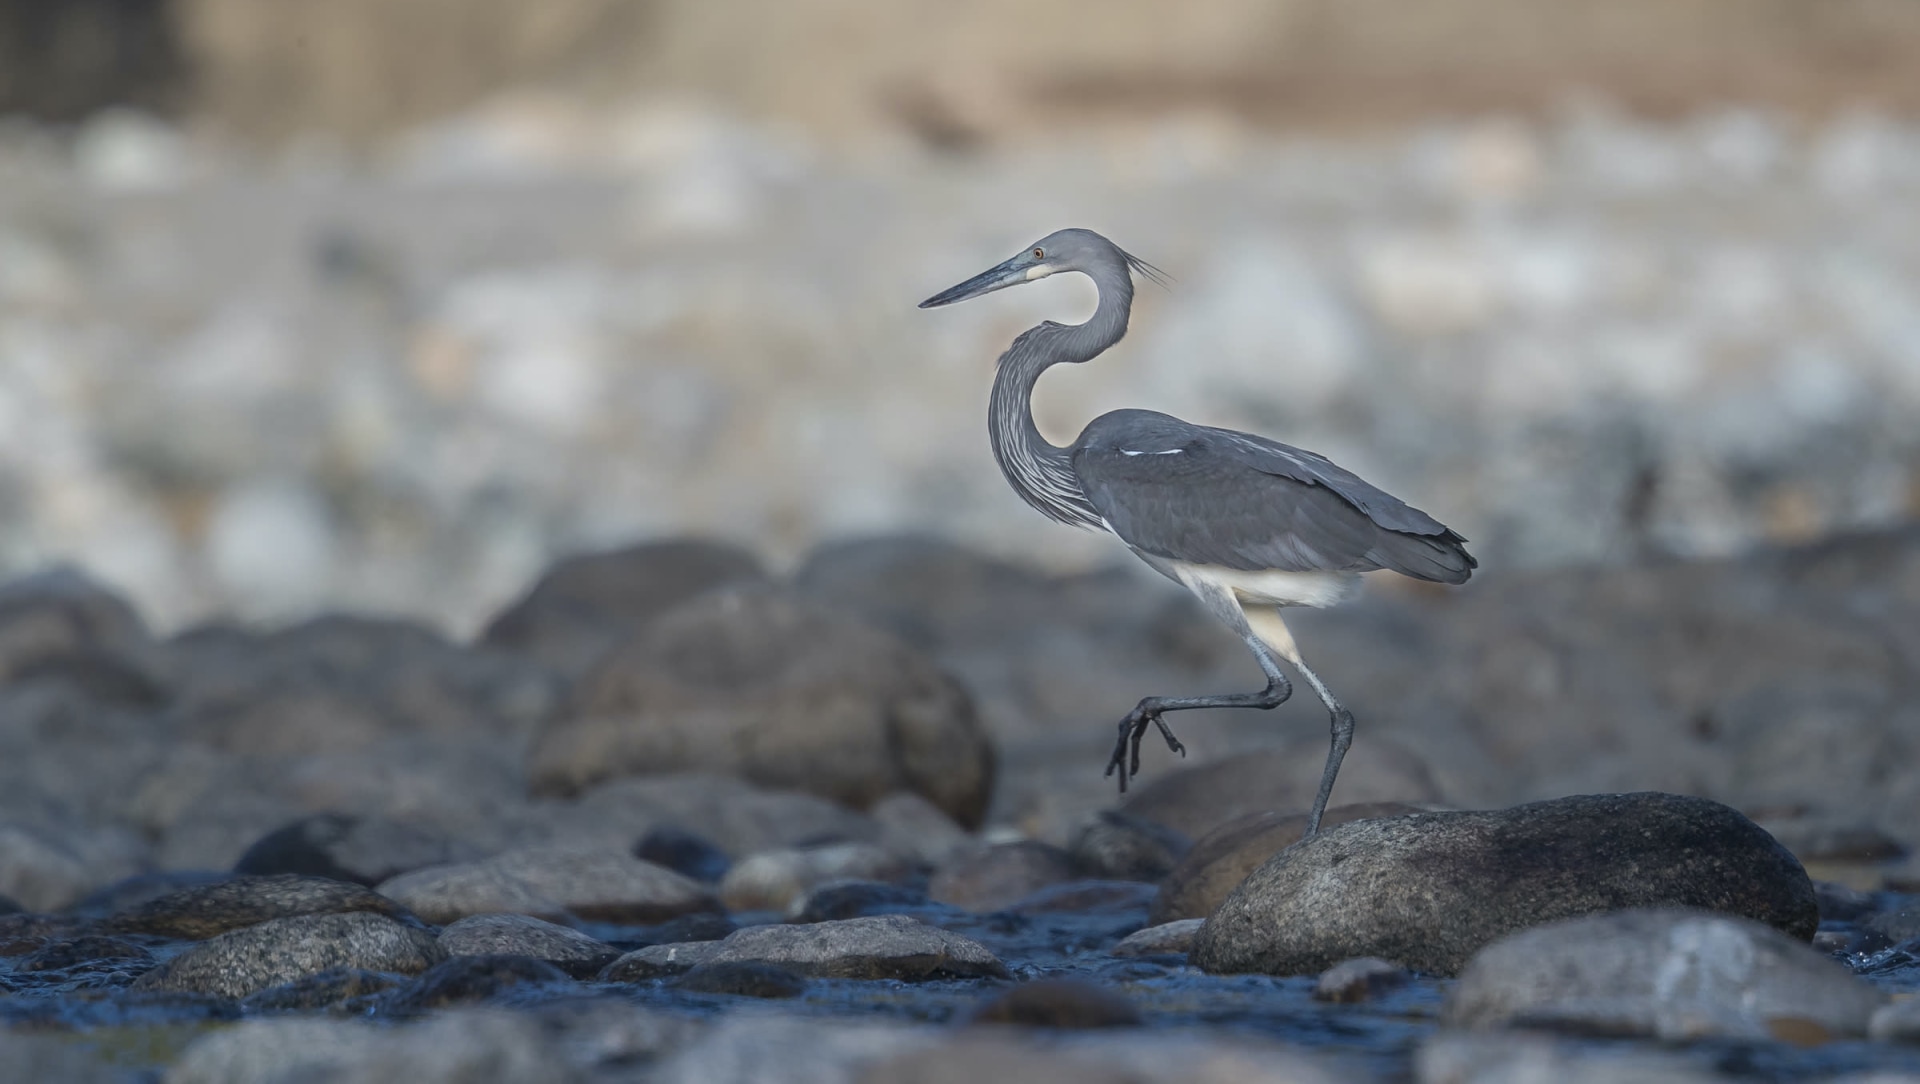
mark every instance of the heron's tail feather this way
{"type": "Point", "coordinates": [1441, 558]}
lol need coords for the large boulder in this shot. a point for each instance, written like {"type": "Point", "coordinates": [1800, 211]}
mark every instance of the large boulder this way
{"type": "Point", "coordinates": [1673, 974]}
{"type": "Point", "coordinates": [254, 958]}
{"type": "Point", "coordinates": [201, 911]}
{"type": "Point", "coordinates": [1428, 890]}
{"type": "Point", "coordinates": [758, 683]}
{"type": "Point", "coordinates": [585, 606]}
{"type": "Point", "coordinates": [1225, 856]}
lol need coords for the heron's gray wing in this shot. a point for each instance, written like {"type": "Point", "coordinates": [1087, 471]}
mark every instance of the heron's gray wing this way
{"type": "Point", "coordinates": [1215, 496]}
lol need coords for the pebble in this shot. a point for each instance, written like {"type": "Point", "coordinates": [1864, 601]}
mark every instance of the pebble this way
{"type": "Point", "coordinates": [1428, 890]}
{"type": "Point", "coordinates": [1085, 897]}
{"type": "Point", "coordinates": [1896, 1022]}
{"type": "Point", "coordinates": [992, 877]}
{"type": "Point", "coordinates": [246, 961]}
{"type": "Point", "coordinates": [463, 1046]}
{"type": "Point", "coordinates": [1118, 846]}
{"type": "Point", "coordinates": [91, 952]}
{"type": "Point", "coordinates": [1058, 1003]}
{"type": "Point", "coordinates": [207, 910]}
{"type": "Point", "coordinates": [1224, 857]}
{"type": "Point", "coordinates": [857, 899]}
{"type": "Point", "coordinates": [346, 847]}
{"type": "Point", "coordinates": [467, 979]}
{"type": "Point", "coordinates": [877, 947]}
{"type": "Point", "coordinates": [1668, 973]}
{"type": "Point", "coordinates": [520, 935]}
{"type": "Point", "coordinates": [322, 990]}
{"type": "Point", "coordinates": [552, 882]}
{"type": "Point", "coordinates": [775, 880]}
{"type": "Point", "coordinates": [1361, 979]}
{"type": "Point", "coordinates": [745, 978]}
{"type": "Point", "coordinates": [683, 852]}
{"type": "Point", "coordinates": [1165, 939]}
{"type": "Point", "coordinates": [737, 817]}
{"type": "Point", "coordinates": [917, 829]}
{"type": "Point", "coordinates": [1456, 1057]}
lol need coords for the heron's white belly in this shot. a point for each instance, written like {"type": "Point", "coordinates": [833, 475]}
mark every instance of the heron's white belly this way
{"type": "Point", "coordinates": [1272, 587]}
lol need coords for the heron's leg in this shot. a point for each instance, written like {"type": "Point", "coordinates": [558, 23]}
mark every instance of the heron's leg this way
{"type": "Point", "coordinates": [1126, 750]}
{"type": "Point", "coordinates": [1267, 625]}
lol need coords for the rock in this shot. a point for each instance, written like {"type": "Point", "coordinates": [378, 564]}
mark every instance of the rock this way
{"type": "Point", "coordinates": [1427, 890]}
{"type": "Point", "coordinates": [1669, 973]}
{"type": "Point", "coordinates": [683, 852]}
{"type": "Point", "coordinates": [745, 978]}
{"type": "Point", "coordinates": [878, 947]}
{"type": "Point", "coordinates": [49, 870]}
{"type": "Point", "coordinates": [775, 880]}
{"type": "Point", "coordinates": [1456, 1057]}
{"type": "Point", "coordinates": [1058, 1003]}
{"type": "Point", "coordinates": [748, 1048]}
{"type": "Point", "coordinates": [1166, 939]}
{"type": "Point", "coordinates": [203, 911]}
{"type": "Point", "coordinates": [977, 1056]}
{"type": "Point", "coordinates": [738, 817]}
{"type": "Point", "coordinates": [464, 979]}
{"type": "Point", "coordinates": [1361, 979]}
{"type": "Point", "coordinates": [914, 828]}
{"type": "Point", "coordinates": [1827, 837]}
{"type": "Point", "coordinates": [1085, 897]}
{"type": "Point", "coordinates": [363, 849]}
{"type": "Point", "coordinates": [58, 617]}
{"type": "Point", "coordinates": [141, 888]}
{"type": "Point", "coordinates": [698, 926]}
{"type": "Point", "coordinates": [10, 906]}
{"type": "Point", "coordinates": [518, 935]}
{"type": "Point", "coordinates": [585, 606]}
{"type": "Point", "coordinates": [756, 683]}
{"type": "Point", "coordinates": [26, 932]}
{"type": "Point", "coordinates": [1896, 1022]}
{"type": "Point", "coordinates": [1196, 800]}
{"type": "Point", "coordinates": [35, 1056]}
{"type": "Point", "coordinates": [857, 899]}
{"type": "Point", "coordinates": [463, 1046]}
{"type": "Point", "coordinates": [1895, 926]}
{"type": "Point", "coordinates": [1838, 903]}
{"type": "Point", "coordinates": [324, 990]}
{"type": "Point", "coordinates": [1117, 846]}
{"type": "Point", "coordinates": [1225, 856]}
{"type": "Point", "coordinates": [600, 884]}
{"type": "Point", "coordinates": [246, 961]}
{"type": "Point", "coordinates": [89, 952]}
{"type": "Point", "coordinates": [660, 961]}
{"type": "Point", "coordinates": [1118, 1056]}
{"type": "Point", "coordinates": [993, 877]}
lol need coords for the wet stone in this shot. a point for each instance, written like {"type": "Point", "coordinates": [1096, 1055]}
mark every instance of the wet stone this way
{"type": "Point", "coordinates": [1116, 846]}
{"type": "Point", "coordinates": [1667, 973]}
{"type": "Point", "coordinates": [91, 952]}
{"type": "Point", "coordinates": [1058, 1003]}
{"type": "Point", "coordinates": [143, 888]}
{"type": "Point", "coordinates": [343, 847]}
{"type": "Point", "coordinates": [857, 899]}
{"type": "Point", "coordinates": [518, 935]}
{"type": "Point", "coordinates": [1223, 858]}
{"type": "Point", "coordinates": [912, 826]}
{"type": "Point", "coordinates": [699, 926]}
{"type": "Point", "coordinates": [992, 877]}
{"type": "Point", "coordinates": [879, 947]}
{"type": "Point", "coordinates": [684, 852]}
{"type": "Point", "coordinates": [465, 979]}
{"type": "Point", "coordinates": [246, 961]}
{"type": "Point", "coordinates": [26, 932]}
{"type": "Point", "coordinates": [1166, 939]}
{"type": "Point", "coordinates": [203, 911]}
{"type": "Point", "coordinates": [594, 883]}
{"type": "Point", "coordinates": [328, 989]}
{"type": "Point", "coordinates": [1360, 979]}
{"type": "Point", "coordinates": [1430, 889]}
{"type": "Point", "coordinates": [1086, 897]}
{"type": "Point", "coordinates": [1518, 1057]}
{"type": "Point", "coordinates": [775, 880]}
{"type": "Point", "coordinates": [745, 978]}
{"type": "Point", "coordinates": [660, 961]}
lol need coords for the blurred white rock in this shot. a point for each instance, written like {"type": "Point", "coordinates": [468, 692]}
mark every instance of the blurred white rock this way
{"type": "Point", "coordinates": [270, 544]}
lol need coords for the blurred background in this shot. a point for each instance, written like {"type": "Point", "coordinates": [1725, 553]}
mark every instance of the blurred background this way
{"type": "Point", "coordinates": [383, 304]}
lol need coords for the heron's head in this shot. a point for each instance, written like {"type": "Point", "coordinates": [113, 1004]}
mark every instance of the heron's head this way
{"type": "Point", "coordinates": [1063, 250]}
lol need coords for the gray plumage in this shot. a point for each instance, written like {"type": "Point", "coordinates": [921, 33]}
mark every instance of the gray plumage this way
{"type": "Point", "coordinates": [1248, 524]}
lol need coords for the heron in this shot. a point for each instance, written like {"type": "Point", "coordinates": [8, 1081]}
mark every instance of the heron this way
{"type": "Point", "coordinates": [1249, 525]}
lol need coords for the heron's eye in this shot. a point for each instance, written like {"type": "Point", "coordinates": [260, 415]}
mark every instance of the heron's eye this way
{"type": "Point", "coordinates": [1039, 254]}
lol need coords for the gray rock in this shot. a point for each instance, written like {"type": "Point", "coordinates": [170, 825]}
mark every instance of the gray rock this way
{"type": "Point", "coordinates": [1058, 1003]}
{"type": "Point", "coordinates": [1896, 1022]}
{"type": "Point", "coordinates": [1815, 836]}
{"type": "Point", "coordinates": [1455, 1057]}
{"type": "Point", "coordinates": [203, 911]}
{"type": "Point", "coordinates": [876, 947]}
{"type": "Point", "coordinates": [743, 978]}
{"type": "Point", "coordinates": [91, 952]}
{"type": "Point", "coordinates": [740, 818]}
{"type": "Point", "coordinates": [585, 606]}
{"type": "Point", "coordinates": [141, 888]}
{"type": "Point", "coordinates": [467, 979]}
{"type": "Point", "coordinates": [46, 870]}
{"type": "Point", "coordinates": [59, 615]}
{"type": "Point", "coordinates": [10, 906]}
{"type": "Point", "coordinates": [1671, 973]}
{"type": "Point", "coordinates": [1086, 897]}
{"type": "Point", "coordinates": [246, 961]}
{"type": "Point", "coordinates": [1225, 856]}
{"type": "Point", "coordinates": [856, 899]}
{"type": "Point", "coordinates": [915, 828]}
{"type": "Point", "coordinates": [1427, 890]}
{"type": "Point", "coordinates": [37, 1056]}
{"type": "Point", "coordinates": [756, 683]}
{"type": "Point", "coordinates": [775, 880]}
{"type": "Point", "coordinates": [1118, 846]}
{"type": "Point", "coordinates": [519, 935]}
{"type": "Point", "coordinates": [327, 989]}
{"type": "Point", "coordinates": [1360, 979]}
{"type": "Point", "coordinates": [1166, 939]}
{"type": "Point", "coordinates": [345, 847]}
{"type": "Point", "coordinates": [682, 851]}
{"type": "Point", "coordinates": [463, 1046]}
{"type": "Point", "coordinates": [993, 877]}
{"type": "Point", "coordinates": [752, 1048]}
{"type": "Point", "coordinates": [590, 882]}
{"type": "Point", "coordinates": [1198, 799]}
{"type": "Point", "coordinates": [661, 961]}
{"type": "Point", "coordinates": [1895, 926]}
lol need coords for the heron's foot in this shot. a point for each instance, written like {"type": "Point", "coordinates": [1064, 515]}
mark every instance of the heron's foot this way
{"type": "Point", "coordinates": [1126, 748]}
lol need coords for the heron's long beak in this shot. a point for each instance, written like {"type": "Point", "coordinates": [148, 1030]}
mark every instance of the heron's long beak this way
{"type": "Point", "coordinates": [1021, 268]}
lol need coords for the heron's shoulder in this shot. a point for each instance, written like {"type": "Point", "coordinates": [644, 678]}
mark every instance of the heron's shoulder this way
{"type": "Point", "coordinates": [1137, 430]}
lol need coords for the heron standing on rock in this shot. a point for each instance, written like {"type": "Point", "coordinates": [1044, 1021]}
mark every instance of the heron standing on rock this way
{"type": "Point", "coordinates": [1249, 525]}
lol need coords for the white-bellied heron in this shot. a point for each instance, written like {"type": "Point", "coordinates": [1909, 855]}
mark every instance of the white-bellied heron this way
{"type": "Point", "coordinates": [1249, 525]}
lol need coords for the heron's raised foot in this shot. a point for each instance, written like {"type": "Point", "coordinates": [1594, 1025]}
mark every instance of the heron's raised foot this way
{"type": "Point", "coordinates": [1336, 752]}
{"type": "Point", "coordinates": [1126, 750]}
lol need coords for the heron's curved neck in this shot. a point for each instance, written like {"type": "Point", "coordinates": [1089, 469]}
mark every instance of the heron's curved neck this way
{"type": "Point", "coordinates": [1039, 471]}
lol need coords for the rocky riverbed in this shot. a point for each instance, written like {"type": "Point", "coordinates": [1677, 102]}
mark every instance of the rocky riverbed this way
{"type": "Point", "coordinates": [673, 817]}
